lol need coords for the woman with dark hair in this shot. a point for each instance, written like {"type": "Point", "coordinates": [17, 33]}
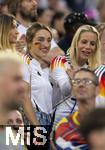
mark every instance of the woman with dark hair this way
{"type": "Point", "coordinates": [45, 16]}
{"type": "Point", "coordinates": [57, 23]}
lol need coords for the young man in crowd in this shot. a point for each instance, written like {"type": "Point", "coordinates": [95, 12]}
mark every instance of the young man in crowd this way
{"type": "Point", "coordinates": [26, 13]}
{"type": "Point", "coordinates": [11, 91]}
{"type": "Point", "coordinates": [84, 88]}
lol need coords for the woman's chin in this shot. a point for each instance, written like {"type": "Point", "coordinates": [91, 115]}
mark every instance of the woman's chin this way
{"type": "Point", "coordinates": [85, 57]}
{"type": "Point", "coordinates": [44, 54]}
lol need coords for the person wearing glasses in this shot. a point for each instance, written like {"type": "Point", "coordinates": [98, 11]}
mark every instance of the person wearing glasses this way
{"type": "Point", "coordinates": [84, 53]}
{"type": "Point", "coordinates": [85, 89]}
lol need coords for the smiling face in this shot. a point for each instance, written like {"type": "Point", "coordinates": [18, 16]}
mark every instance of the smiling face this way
{"type": "Point", "coordinates": [86, 45]}
{"type": "Point", "coordinates": [41, 43]}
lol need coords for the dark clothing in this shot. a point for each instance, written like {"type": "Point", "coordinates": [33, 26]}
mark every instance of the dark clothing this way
{"type": "Point", "coordinates": [65, 43]}
{"type": "Point", "coordinates": [77, 5]}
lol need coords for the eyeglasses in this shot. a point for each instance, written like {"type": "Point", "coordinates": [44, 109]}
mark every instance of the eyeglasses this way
{"type": "Point", "coordinates": [83, 81]}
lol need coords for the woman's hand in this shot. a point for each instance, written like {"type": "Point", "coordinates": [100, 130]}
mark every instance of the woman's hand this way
{"type": "Point", "coordinates": [71, 72]}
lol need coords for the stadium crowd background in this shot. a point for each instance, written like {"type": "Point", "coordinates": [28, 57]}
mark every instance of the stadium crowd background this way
{"type": "Point", "coordinates": [52, 71]}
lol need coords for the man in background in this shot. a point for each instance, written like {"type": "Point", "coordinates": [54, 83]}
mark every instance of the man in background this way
{"type": "Point", "coordinates": [84, 89]}
{"type": "Point", "coordinates": [12, 91]}
{"type": "Point", "coordinates": [25, 12]}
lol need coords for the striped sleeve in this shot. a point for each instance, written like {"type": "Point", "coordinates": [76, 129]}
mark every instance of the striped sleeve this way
{"type": "Point", "coordinates": [59, 62]}
{"type": "Point", "coordinates": [59, 76]}
{"type": "Point", "coordinates": [26, 59]}
{"type": "Point", "coordinates": [100, 72]}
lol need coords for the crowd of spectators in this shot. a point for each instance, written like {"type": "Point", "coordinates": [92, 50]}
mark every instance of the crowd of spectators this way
{"type": "Point", "coordinates": [52, 73]}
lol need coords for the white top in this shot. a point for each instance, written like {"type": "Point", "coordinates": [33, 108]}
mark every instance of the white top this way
{"type": "Point", "coordinates": [64, 108]}
{"type": "Point", "coordinates": [53, 44]}
{"type": "Point", "coordinates": [60, 79]}
{"type": "Point", "coordinates": [22, 30]}
{"type": "Point", "coordinates": [41, 89]}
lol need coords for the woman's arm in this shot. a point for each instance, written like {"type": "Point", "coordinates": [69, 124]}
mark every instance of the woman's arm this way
{"type": "Point", "coordinates": [27, 106]}
{"type": "Point", "coordinates": [59, 75]}
{"type": "Point", "coordinates": [26, 100]}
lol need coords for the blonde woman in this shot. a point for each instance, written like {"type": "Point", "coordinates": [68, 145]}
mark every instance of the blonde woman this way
{"type": "Point", "coordinates": [8, 39]}
{"type": "Point", "coordinates": [85, 48]}
{"type": "Point", "coordinates": [84, 53]}
{"type": "Point", "coordinates": [8, 32]}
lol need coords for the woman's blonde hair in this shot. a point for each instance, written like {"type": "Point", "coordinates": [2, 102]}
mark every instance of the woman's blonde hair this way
{"type": "Point", "coordinates": [95, 60]}
{"type": "Point", "coordinates": [6, 24]}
